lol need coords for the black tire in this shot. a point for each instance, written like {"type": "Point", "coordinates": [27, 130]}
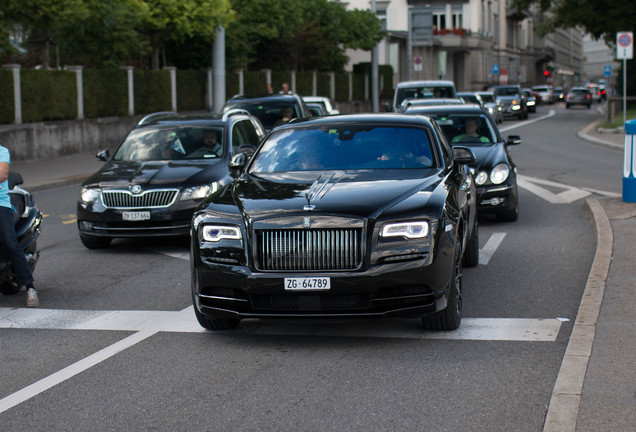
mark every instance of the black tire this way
{"type": "Point", "coordinates": [215, 323]}
{"type": "Point", "coordinates": [95, 242]}
{"type": "Point", "coordinates": [471, 253]}
{"type": "Point", "coordinates": [451, 317]}
{"type": "Point", "coordinates": [9, 287]}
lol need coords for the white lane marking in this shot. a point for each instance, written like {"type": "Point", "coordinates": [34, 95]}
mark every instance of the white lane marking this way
{"type": "Point", "coordinates": [70, 371]}
{"type": "Point", "coordinates": [551, 113]}
{"type": "Point", "coordinates": [490, 247]}
{"type": "Point", "coordinates": [569, 194]}
{"type": "Point", "coordinates": [502, 329]}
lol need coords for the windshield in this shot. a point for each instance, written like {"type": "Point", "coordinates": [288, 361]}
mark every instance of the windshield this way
{"type": "Point", "coordinates": [270, 113]}
{"type": "Point", "coordinates": [467, 129]}
{"type": "Point", "coordinates": [506, 91]}
{"type": "Point", "coordinates": [486, 97]}
{"type": "Point", "coordinates": [344, 148]}
{"type": "Point", "coordinates": [171, 143]}
{"type": "Point", "coordinates": [421, 92]}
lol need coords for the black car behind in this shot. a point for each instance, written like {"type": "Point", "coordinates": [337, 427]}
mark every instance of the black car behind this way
{"type": "Point", "coordinates": [159, 173]}
{"type": "Point", "coordinates": [341, 216]}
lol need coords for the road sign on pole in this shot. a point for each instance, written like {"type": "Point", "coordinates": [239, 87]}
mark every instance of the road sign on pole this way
{"type": "Point", "coordinates": [495, 69]}
{"type": "Point", "coordinates": [607, 70]}
{"type": "Point", "coordinates": [625, 45]}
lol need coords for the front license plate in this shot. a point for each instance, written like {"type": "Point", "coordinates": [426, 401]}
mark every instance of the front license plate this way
{"type": "Point", "coordinates": [307, 283]}
{"type": "Point", "coordinates": [136, 216]}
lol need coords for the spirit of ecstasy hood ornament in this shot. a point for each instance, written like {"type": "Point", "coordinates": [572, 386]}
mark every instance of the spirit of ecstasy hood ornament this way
{"type": "Point", "coordinates": [313, 193]}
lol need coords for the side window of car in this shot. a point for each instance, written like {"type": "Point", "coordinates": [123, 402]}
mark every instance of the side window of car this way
{"type": "Point", "coordinates": [244, 136]}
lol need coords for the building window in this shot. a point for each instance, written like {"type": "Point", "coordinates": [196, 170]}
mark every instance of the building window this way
{"type": "Point", "coordinates": [457, 16]}
{"type": "Point", "coordinates": [439, 20]}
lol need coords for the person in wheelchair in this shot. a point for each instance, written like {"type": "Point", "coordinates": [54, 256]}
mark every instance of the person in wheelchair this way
{"type": "Point", "coordinates": [471, 126]}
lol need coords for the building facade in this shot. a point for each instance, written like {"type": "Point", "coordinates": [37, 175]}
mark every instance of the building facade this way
{"type": "Point", "coordinates": [475, 43]}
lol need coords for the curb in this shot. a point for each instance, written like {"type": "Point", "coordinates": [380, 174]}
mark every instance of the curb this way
{"type": "Point", "coordinates": [566, 395]}
{"type": "Point", "coordinates": [583, 134]}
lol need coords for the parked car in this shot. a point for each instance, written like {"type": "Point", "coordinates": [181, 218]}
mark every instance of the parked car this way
{"type": "Point", "coordinates": [493, 105]}
{"type": "Point", "coordinates": [531, 101]}
{"type": "Point", "coordinates": [327, 104]}
{"type": "Point", "coordinates": [579, 96]}
{"type": "Point", "coordinates": [159, 173]}
{"type": "Point", "coordinates": [368, 215]}
{"type": "Point", "coordinates": [513, 100]}
{"type": "Point", "coordinates": [271, 110]}
{"type": "Point", "coordinates": [546, 93]}
{"type": "Point", "coordinates": [422, 90]}
{"type": "Point", "coordinates": [495, 172]}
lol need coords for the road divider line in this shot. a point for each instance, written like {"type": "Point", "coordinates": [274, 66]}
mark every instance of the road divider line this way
{"type": "Point", "coordinates": [551, 113]}
{"type": "Point", "coordinates": [70, 371]}
{"type": "Point", "coordinates": [490, 247]}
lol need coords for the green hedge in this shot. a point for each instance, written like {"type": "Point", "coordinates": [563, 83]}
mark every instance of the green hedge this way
{"type": "Point", "coordinates": [7, 108]}
{"type": "Point", "coordinates": [105, 92]}
{"type": "Point", "coordinates": [191, 90]}
{"type": "Point", "coordinates": [255, 83]}
{"type": "Point", "coordinates": [48, 95]}
{"type": "Point", "coordinates": [342, 87]}
{"type": "Point", "coordinates": [278, 78]}
{"type": "Point", "coordinates": [152, 91]}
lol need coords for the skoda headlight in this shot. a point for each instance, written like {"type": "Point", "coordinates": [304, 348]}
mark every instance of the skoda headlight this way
{"type": "Point", "coordinates": [89, 194]}
{"type": "Point", "coordinates": [406, 229]}
{"type": "Point", "coordinates": [215, 233]}
{"type": "Point", "coordinates": [481, 178]}
{"type": "Point", "coordinates": [499, 174]}
{"type": "Point", "coordinates": [198, 192]}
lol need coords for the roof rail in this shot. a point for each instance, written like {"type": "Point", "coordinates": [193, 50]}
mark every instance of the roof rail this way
{"type": "Point", "coordinates": [155, 116]}
{"type": "Point", "coordinates": [234, 111]}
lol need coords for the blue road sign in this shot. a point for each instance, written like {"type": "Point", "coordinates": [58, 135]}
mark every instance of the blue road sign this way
{"type": "Point", "coordinates": [495, 69]}
{"type": "Point", "coordinates": [607, 70]}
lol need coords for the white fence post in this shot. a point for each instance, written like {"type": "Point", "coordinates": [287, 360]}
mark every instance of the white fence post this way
{"type": "Point", "coordinates": [80, 89]}
{"type": "Point", "coordinates": [131, 90]}
{"type": "Point", "coordinates": [173, 86]}
{"type": "Point", "coordinates": [17, 94]}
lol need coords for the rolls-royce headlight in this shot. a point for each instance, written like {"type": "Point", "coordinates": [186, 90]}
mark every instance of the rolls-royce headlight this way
{"type": "Point", "coordinates": [481, 178]}
{"type": "Point", "coordinates": [89, 194]}
{"type": "Point", "coordinates": [406, 229]}
{"type": "Point", "coordinates": [215, 233]}
{"type": "Point", "coordinates": [198, 192]}
{"type": "Point", "coordinates": [499, 174]}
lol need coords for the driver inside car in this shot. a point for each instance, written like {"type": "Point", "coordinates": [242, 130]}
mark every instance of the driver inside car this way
{"type": "Point", "coordinates": [471, 125]}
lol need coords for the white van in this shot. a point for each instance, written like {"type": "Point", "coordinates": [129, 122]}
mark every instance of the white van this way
{"type": "Point", "coordinates": [423, 90]}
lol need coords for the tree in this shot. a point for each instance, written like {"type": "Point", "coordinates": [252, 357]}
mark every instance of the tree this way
{"type": "Point", "coordinates": [39, 19]}
{"type": "Point", "coordinates": [298, 34]}
{"type": "Point", "coordinates": [170, 20]}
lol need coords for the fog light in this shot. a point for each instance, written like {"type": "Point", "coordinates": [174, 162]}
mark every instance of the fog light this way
{"type": "Point", "coordinates": [86, 226]}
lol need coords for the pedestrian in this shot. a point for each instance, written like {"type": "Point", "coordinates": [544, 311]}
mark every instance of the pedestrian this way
{"type": "Point", "coordinates": [270, 89]}
{"type": "Point", "coordinates": [285, 89]}
{"type": "Point", "coordinates": [8, 237]}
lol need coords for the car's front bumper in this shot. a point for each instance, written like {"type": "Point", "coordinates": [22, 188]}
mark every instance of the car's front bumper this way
{"type": "Point", "coordinates": [494, 198]}
{"type": "Point", "coordinates": [406, 288]}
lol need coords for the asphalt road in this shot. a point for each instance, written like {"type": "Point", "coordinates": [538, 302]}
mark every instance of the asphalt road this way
{"type": "Point", "coordinates": [115, 345]}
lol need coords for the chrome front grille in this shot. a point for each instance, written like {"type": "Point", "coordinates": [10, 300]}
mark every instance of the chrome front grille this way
{"type": "Point", "coordinates": [312, 249]}
{"type": "Point", "coordinates": [123, 199]}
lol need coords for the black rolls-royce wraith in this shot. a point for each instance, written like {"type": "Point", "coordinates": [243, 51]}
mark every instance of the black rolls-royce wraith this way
{"type": "Point", "coordinates": [365, 215]}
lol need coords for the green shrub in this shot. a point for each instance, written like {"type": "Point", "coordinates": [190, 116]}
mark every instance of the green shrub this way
{"type": "Point", "coordinates": [105, 92]}
{"type": "Point", "coordinates": [152, 91]}
{"type": "Point", "coordinates": [323, 84]}
{"type": "Point", "coordinates": [278, 78]}
{"type": "Point", "coordinates": [231, 84]}
{"type": "Point", "coordinates": [48, 95]}
{"type": "Point", "coordinates": [342, 87]}
{"type": "Point", "coordinates": [7, 104]}
{"type": "Point", "coordinates": [191, 90]}
{"type": "Point", "coordinates": [255, 83]}
{"type": "Point", "coordinates": [305, 83]}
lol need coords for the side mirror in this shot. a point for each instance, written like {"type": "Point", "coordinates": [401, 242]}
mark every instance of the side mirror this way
{"type": "Point", "coordinates": [463, 155]}
{"type": "Point", "coordinates": [238, 161]}
{"type": "Point", "coordinates": [103, 155]}
{"type": "Point", "coordinates": [513, 140]}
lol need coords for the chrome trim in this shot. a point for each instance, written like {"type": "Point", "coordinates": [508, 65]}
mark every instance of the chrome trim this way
{"type": "Point", "coordinates": [124, 199]}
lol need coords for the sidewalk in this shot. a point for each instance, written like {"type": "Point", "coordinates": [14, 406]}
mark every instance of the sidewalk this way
{"type": "Point", "coordinates": [596, 386]}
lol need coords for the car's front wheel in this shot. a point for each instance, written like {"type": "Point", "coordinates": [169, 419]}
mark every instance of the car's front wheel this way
{"type": "Point", "coordinates": [95, 242]}
{"type": "Point", "coordinates": [451, 317]}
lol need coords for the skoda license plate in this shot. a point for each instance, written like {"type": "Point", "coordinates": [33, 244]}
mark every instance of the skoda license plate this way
{"type": "Point", "coordinates": [307, 283]}
{"type": "Point", "coordinates": [136, 216]}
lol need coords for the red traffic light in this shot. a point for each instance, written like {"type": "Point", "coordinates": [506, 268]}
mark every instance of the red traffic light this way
{"type": "Point", "coordinates": [546, 73]}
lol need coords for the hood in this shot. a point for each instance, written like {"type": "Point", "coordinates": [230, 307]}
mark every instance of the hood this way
{"type": "Point", "coordinates": [158, 174]}
{"type": "Point", "coordinates": [353, 193]}
{"type": "Point", "coordinates": [487, 155]}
